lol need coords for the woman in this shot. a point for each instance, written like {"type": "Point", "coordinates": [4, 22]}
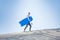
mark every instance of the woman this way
{"type": "Point", "coordinates": [28, 22]}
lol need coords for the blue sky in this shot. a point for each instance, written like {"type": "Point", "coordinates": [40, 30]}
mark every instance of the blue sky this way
{"type": "Point", "coordinates": [45, 13]}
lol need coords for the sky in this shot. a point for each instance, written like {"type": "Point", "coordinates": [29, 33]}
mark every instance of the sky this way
{"type": "Point", "coordinates": [45, 13]}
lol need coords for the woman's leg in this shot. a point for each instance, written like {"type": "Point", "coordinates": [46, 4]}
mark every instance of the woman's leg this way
{"type": "Point", "coordinates": [25, 27]}
{"type": "Point", "coordinates": [30, 27]}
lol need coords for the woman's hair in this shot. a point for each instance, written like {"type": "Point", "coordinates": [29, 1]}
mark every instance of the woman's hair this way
{"type": "Point", "coordinates": [28, 13]}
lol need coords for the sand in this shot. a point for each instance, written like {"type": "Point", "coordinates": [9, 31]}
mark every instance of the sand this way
{"type": "Point", "coordinates": [47, 34]}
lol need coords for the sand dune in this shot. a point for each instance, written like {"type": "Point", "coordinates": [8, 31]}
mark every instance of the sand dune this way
{"type": "Point", "coordinates": [47, 34]}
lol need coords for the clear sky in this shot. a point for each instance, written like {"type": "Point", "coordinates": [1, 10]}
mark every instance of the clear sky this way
{"type": "Point", "coordinates": [45, 13]}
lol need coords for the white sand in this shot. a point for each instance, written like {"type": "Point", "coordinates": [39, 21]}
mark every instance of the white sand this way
{"type": "Point", "coordinates": [34, 35]}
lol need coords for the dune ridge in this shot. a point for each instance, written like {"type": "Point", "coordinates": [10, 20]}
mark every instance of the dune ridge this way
{"type": "Point", "coordinates": [47, 34]}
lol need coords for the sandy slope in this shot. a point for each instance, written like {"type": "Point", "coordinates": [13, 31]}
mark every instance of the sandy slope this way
{"type": "Point", "coordinates": [49, 34]}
